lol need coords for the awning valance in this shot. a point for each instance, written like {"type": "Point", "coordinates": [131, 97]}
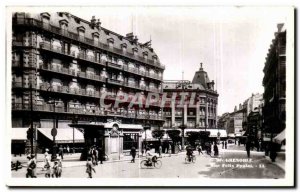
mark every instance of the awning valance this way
{"type": "Point", "coordinates": [64, 135]}
{"type": "Point", "coordinates": [19, 133]}
{"type": "Point", "coordinates": [280, 137]}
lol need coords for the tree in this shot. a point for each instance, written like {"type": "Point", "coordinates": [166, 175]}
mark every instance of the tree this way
{"type": "Point", "coordinates": [192, 136]}
{"type": "Point", "coordinates": [158, 134]}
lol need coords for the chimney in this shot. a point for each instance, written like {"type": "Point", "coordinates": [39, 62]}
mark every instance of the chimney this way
{"type": "Point", "coordinates": [98, 23]}
{"type": "Point", "coordinates": [93, 21]}
{"type": "Point", "coordinates": [135, 40]}
{"type": "Point", "coordinates": [130, 36]}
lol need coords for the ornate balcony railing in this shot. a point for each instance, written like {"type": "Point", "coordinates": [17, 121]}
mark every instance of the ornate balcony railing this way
{"type": "Point", "coordinates": [114, 81]}
{"type": "Point", "coordinates": [68, 34]}
{"type": "Point", "coordinates": [114, 65]}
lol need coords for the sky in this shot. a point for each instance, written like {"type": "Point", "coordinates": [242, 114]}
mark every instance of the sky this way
{"type": "Point", "coordinates": [231, 42]}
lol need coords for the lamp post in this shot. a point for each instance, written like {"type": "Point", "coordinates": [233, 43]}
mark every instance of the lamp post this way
{"type": "Point", "coordinates": [54, 129]}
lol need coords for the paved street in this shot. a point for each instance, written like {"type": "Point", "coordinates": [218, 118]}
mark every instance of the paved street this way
{"type": "Point", "coordinates": [224, 166]}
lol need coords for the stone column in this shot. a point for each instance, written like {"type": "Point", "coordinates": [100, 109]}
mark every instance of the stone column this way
{"type": "Point", "coordinates": [197, 114]}
{"type": "Point", "coordinates": [185, 114]}
{"type": "Point", "coordinates": [172, 113]}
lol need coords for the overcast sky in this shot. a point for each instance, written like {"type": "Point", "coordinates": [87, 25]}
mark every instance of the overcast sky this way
{"type": "Point", "coordinates": [231, 42]}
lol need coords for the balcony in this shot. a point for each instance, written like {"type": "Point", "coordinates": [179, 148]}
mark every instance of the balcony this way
{"type": "Point", "coordinates": [55, 49]}
{"type": "Point", "coordinates": [114, 81]}
{"type": "Point", "coordinates": [17, 84]}
{"type": "Point", "coordinates": [70, 35]}
{"type": "Point", "coordinates": [15, 63]}
{"type": "Point", "coordinates": [282, 50]}
{"type": "Point", "coordinates": [114, 65]}
{"type": "Point", "coordinates": [17, 43]}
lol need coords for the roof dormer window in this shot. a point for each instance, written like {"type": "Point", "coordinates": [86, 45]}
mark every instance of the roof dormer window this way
{"type": "Point", "coordinates": [110, 42]}
{"type": "Point", "coordinates": [63, 23]}
{"type": "Point", "coordinates": [135, 50]}
{"type": "Point", "coordinates": [45, 15]}
{"type": "Point", "coordinates": [145, 54]}
{"type": "Point", "coordinates": [124, 47]}
{"type": "Point", "coordinates": [81, 31]}
{"type": "Point", "coordinates": [154, 58]}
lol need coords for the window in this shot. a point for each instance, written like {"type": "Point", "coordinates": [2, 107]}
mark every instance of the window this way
{"type": "Point", "coordinates": [130, 140]}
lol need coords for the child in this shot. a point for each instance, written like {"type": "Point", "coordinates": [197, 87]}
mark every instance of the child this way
{"type": "Point", "coordinates": [57, 168]}
{"type": "Point", "coordinates": [89, 167]}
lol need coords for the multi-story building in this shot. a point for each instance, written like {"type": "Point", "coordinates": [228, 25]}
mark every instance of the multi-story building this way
{"type": "Point", "coordinates": [274, 82]}
{"type": "Point", "coordinates": [235, 127]}
{"type": "Point", "coordinates": [251, 104]}
{"type": "Point", "coordinates": [200, 110]}
{"type": "Point", "coordinates": [62, 65]}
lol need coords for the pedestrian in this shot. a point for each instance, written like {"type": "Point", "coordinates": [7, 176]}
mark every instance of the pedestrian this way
{"type": "Point", "coordinates": [68, 149]}
{"type": "Point", "coordinates": [101, 155]}
{"type": "Point", "coordinates": [225, 144]}
{"type": "Point", "coordinates": [46, 157]}
{"type": "Point", "coordinates": [61, 152]}
{"type": "Point", "coordinates": [199, 149]}
{"type": "Point", "coordinates": [160, 151]}
{"type": "Point", "coordinates": [89, 168]}
{"type": "Point", "coordinates": [248, 147]}
{"type": "Point", "coordinates": [133, 153]}
{"type": "Point", "coordinates": [259, 145]}
{"type": "Point", "coordinates": [56, 172]}
{"type": "Point", "coordinates": [31, 166]}
{"type": "Point", "coordinates": [48, 169]}
{"type": "Point", "coordinates": [170, 150]}
{"type": "Point", "coordinates": [216, 150]}
{"type": "Point", "coordinates": [95, 156]}
{"type": "Point", "coordinates": [273, 151]}
{"type": "Point", "coordinates": [180, 148]}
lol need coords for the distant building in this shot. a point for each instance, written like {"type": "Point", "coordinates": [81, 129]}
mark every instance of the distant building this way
{"type": "Point", "coordinates": [202, 114]}
{"type": "Point", "coordinates": [235, 128]}
{"type": "Point", "coordinates": [274, 82]}
{"type": "Point", "coordinates": [251, 104]}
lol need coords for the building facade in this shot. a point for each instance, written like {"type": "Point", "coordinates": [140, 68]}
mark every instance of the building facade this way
{"type": "Point", "coordinates": [199, 111]}
{"type": "Point", "coordinates": [274, 82]}
{"type": "Point", "coordinates": [62, 65]}
{"type": "Point", "coordinates": [252, 104]}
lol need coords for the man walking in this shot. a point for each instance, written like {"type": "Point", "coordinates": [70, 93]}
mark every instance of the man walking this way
{"type": "Point", "coordinates": [101, 155]}
{"type": "Point", "coordinates": [225, 144]}
{"type": "Point", "coordinates": [160, 151]}
{"type": "Point", "coordinates": [133, 153]}
{"type": "Point", "coordinates": [248, 147]}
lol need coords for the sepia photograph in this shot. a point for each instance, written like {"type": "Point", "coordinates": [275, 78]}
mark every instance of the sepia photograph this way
{"type": "Point", "coordinates": [197, 96]}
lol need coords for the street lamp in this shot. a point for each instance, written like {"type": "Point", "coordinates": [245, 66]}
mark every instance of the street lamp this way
{"type": "Point", "coordinates": [54, 129]}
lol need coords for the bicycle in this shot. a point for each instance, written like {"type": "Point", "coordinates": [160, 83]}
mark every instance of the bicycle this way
{"type": "Point", "coordinates": [153, 163]}
{"type": "Point", "coordinates": [189, 159]}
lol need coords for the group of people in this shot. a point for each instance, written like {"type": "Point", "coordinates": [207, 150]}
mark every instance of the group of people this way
{"type": "Point", "coordinates": [96, 154]}
{"type": "Point", "coordinates": [56, 169]}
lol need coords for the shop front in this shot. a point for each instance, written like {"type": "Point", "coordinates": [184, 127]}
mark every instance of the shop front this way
{"type": "Point", "coordinates": [114, 138]}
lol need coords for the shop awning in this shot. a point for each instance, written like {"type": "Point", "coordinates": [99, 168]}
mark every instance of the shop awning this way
{"type": "Point", "coordinates": [214, 132]}
{"type": "Point", "coordinates": [19, 133]}
{"type": "Point", "coordinates": [64, 135]}
{"type": "Point", "coordinates": [280, 137]}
